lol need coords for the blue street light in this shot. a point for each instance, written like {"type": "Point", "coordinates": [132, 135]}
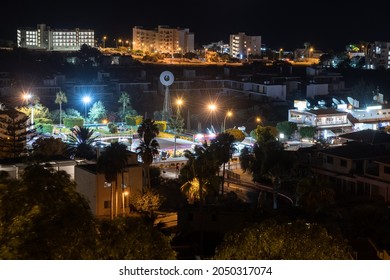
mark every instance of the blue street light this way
{"type": "Point", "coordinates": [86, 100]}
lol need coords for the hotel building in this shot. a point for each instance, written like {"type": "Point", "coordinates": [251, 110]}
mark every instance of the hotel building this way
{"type": "Point", "coordinates": [163, 39]}
{"type": "Point", "coordinates": [242, 46]}
{"type": "Point", "coordinates": [45, 38]}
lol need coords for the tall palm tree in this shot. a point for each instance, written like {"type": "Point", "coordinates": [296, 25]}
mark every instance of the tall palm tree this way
{"type": "Point", "coordinates": [111, 162]}
{"type": "Point", "coordinates": [223, 147]}
{"type": "Point", "coordinates": [202, 165]}
{"type": "Point", "coordinates": [148, 148]}
{"type": "Point", "coordinates": [80, 142]}
{"type": "Point", "coordinates": [147, 153]}
{"type": "Point", "coordinates": [125, 100]}
{"type": "Point", "coordinates": [61, 98]}
{"type": "Point", "coordinates": [148, 130]}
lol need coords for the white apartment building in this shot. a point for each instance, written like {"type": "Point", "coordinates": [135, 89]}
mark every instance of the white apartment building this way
{"type": "Point", "coordinates": [163, 39]}
{"type": "Point", "coordinates": [242, 46]}
{"type": "Point", "coordinates": [45, 38]}
{"type": "Point", "coordinates": [31, 38]}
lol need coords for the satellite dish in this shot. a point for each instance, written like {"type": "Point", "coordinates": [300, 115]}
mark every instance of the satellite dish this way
{"type": "Point", "coordinates": [350, 100]}
{"type": "Point", "coordinates": [335, 101]}
{"type": "Point", "coordinates": [166, 78]}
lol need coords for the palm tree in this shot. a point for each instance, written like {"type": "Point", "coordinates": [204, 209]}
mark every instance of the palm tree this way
{"type": "Point", "coordinates": [148, 147]}
{"type": "Point", "coordinates": [148, 130]}
{"type": "Point", "coordinates": [125, 100]}
{"type": "Point", "coordinates": [191, 190]}
{"type": "Point", "coordinates": [61, 98]}
{"type": "Point", "coordinates": [80, 142]}
{"type": "Point", "coordinates": [147, 153]}
{"type": "Point", "coordinates": [112, 161]}
{"type": "Point", "coordinates": [201, 165]}
{"type": "Point", "coordinates": [223, 147]}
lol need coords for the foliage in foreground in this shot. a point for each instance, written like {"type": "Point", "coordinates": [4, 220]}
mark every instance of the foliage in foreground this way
{"type": "Point", "coordinates": [43, 217]}
{"type": "Point", "coordinates": [289, 241]}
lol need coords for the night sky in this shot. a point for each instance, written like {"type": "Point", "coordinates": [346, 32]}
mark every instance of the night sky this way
{"type": "Point", "coordinates": [325, 24]}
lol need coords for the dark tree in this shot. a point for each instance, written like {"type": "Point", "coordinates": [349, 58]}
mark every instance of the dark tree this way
{"type": "Point", "coordinates": [80, 141]}
{"type": "Point", "coordinates": [42, 216]}
{"type": "Point", "coordinates": [132, 238]}
{"type": "Point", "coordinates": [287, 241]}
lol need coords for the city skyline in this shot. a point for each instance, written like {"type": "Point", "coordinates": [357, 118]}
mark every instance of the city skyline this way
{"type": "Point", "coordinates": [288, 25]}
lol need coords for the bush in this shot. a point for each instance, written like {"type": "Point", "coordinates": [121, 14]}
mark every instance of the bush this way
{"type": "Point", "coordinates": [45, 128]}
{"type": "Point", "coordinates": [72, 122]}
{"type": "Point", "coordinates": [133, 120]}
{"type": "Point", "coordinates": [43, 120]}
{"type": "Point", "coordinates": [112, 128]}
{"type": "Point", "coordinates": [162, 125]}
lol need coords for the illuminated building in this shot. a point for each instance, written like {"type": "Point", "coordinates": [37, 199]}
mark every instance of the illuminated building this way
{"type": "Point", "coordinates": [45, 38]}
{"type": "Point", "coordinates": [243, 46]}
{"type": "Point", "coordinates": [163, 39]}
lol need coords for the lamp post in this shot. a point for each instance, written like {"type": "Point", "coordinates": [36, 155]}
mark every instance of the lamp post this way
{"type": "Point", "coordinates": [228, 114]}
{"type": "Point", "coordinates": [86, 100]}
{"type": "Point", "coordinates": [104, 41]}
{"type": "Point", "coordinates": [280, 53]}
{"type": "Point", "coordinates": [247, 54]}
{"type": "Point", "coordinates": [212, 107]}
{"type": "Point", "coordinates": [124, 195]}
{"type": "Point", "coordinates": [179, 102]}
{"type": "Point", "coordinates": [28, 98]}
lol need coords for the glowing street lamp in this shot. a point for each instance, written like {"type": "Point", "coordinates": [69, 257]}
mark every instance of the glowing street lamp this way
{"type": "Point", "coordinates": [179, 102]}
{"type": "Point", "coordinates": [228, 114]}
{"type": "Point", "coordinates": [28, 98]}
{"type": "Point", "coordinates": [124, 195]}
{"type": "Point", "coordinates": [104, 41]}
{"type": "Point", "coordinates": [86, 100]}
{"type": "Point", "coordinates": [280, 53]}
{"type": "Point", "coordinates": [212, 107]}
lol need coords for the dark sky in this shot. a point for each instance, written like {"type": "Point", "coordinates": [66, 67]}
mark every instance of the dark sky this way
{"type": "Point", "coordinates": [325, 24]}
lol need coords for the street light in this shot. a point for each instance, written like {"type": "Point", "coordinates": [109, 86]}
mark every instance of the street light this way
{"type": "Point", "coordinates": [228, 114]}
{"type": "Point", "coordinates": [124, 194]}
{"type": "Point", "coordinates": [280, 53]}
{"type": "Point", "coordinates": [86, 100]}
{"type": "Point", "coordinates": [27, 97]}
{"type": "Point", "coordinates": [311, 52]}
{"type": "Point", "coordinates": [212, 107]}
{"type": "Point", "coordinates": [247, 53]}
{"type": "Point", "coordinates": [179, 102]}
{"type": "Point", "coordinates": [104, 41]}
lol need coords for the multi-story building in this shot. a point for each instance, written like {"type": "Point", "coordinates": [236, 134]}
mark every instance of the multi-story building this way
{"type": "Point", "coordinates": [31, 38]}
{"type": "Point", "coordinates": [98, 192]}
{"type": "Point", "coordinates": [163, 39]}
{"type": "Point", "coordinates": [361, 167]}
{"type": "Point", "coordinates": [378, 55]}
{"type": "Point", "coordinates": [242, 46]}
{"type": "Point", "coordinates": [45, 38]}
{"type": "Point", "coordinates": [327, 121]}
